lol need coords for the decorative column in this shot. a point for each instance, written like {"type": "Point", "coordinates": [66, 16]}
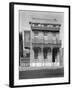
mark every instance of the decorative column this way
{"type": "Point", "coordinates": [61, 57]}
{"type": "Point", "coordinates": [49, 56]}
{"type": "Point", "coordinates": [40, 56]}
{"type": "Point", "coordinates": [31, 57]}
{"type": "Point", "coordinates": [32, 51]}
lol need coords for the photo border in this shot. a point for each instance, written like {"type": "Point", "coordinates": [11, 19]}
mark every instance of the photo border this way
{"type": "Point", "coordinates": [11, 42]}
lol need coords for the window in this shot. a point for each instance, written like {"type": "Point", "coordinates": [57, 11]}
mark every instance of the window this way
{"type": "Point", "coordinates": [45, 33]}
{"type": "Point", "coordinates": [36, 33]}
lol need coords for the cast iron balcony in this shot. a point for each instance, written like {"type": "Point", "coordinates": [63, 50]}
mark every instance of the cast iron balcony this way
{"type": "Point", "coordinates": [45, 27]}
{"type": "Point", "coordinates": [46, 43]}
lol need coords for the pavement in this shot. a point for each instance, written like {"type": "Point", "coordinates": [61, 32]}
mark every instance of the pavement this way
{"type": "Point", "coordinates": [42, 73]}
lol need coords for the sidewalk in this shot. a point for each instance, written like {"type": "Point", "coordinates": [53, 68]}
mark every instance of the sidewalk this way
{"type": "Point", "coordinates": [41, 73]}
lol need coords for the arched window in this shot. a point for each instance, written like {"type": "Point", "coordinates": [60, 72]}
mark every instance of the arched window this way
{"type": "Point", "coordinates": [54, 53]}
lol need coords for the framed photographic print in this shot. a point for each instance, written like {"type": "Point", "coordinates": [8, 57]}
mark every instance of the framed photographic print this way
{"type": "Point", "coordinates": [39, 44]}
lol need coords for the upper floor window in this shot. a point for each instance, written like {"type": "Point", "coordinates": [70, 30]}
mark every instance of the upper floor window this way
{"type": "Point", "coordinates": [36, 33]}
{"type": "Point", "coordinates": [45, 33]}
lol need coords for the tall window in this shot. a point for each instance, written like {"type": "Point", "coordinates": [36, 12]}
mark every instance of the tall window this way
{"type": "Point", "coordinates": [45, 53]}
{"type": "Point", "coordinates": [54, 53]}
{"type": "Point", "coordinates": [27, 38]}
{"type": "Point", "coordinates": [36, 33]}
{"type": "Point", "coordinates": [36, 53]}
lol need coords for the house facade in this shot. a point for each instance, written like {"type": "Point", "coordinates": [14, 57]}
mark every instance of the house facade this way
{"type": "Point", "coordinates": [42, 45]}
